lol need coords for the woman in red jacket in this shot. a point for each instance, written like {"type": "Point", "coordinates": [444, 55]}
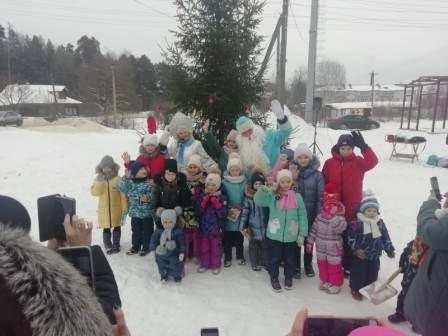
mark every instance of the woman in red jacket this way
{"type": "Point", "coordinates": [151, 155]}
{"type": "Point", "coordinates": [346, 170]}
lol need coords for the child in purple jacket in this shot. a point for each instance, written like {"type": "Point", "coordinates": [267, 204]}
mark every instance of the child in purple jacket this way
{"type": "Point", "coordinates": [211, 206]}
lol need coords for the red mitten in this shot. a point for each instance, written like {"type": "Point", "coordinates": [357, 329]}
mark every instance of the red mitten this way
{"type": "Point", "coordinates": [215, 202]}
{"type": "Point", "coordinates": [205, 201]}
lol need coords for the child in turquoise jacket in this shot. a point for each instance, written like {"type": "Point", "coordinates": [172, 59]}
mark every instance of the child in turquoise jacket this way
{"type": "Point", "coordinates": [234, 185]}
{"type": "Point", "coordinates": [287, 226]}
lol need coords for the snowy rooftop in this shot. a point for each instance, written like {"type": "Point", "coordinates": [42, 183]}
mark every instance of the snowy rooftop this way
{"type": "Point", "coordinates": [350, 87]}
{"type": "Point", "coordinates": [34, 94]}
{"type": "Point", "coordinates": [362, 105]}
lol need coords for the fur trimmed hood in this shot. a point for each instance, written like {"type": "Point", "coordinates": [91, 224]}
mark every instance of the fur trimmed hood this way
{"type": "Point", "coordinates": [55, 299]}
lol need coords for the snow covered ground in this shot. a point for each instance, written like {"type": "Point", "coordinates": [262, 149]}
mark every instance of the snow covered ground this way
{"type": "Point", "coordinates": [45, 160]}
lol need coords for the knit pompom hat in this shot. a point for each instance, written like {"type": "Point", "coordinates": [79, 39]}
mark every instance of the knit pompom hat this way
{"type": "Point", "coordinates": [234, 160]}
{"type": "Point", "coordinates": [244, 124]}
{"type": "Point", "coordinates": [213, 179]}
{"type": "Point", "coordinates": [171, 165]}
{"type": "Point", "coordinates": [368, 201]}
{"type": "Point", "coordinates": [194, 160]}
{"type": "Point", "coordinates": [150, 139]}
{"type": "Point", "coordinates": [284, 173]}
{"type": "Point", "coordinates": [302, 149]}
{"type": "Point", "coordinates": [168, 215]}
{"type": "Point", "coordinates": [345, 140]}
{"type": "Point", "coordinates": [180, 122]}
{"type": "Point", "coordinates": [135, 167]}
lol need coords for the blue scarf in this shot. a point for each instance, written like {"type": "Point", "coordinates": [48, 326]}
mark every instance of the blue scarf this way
{"type": "Point", "coordinates": [182, 146]}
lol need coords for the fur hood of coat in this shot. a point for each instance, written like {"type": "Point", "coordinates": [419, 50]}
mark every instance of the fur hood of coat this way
{"type": "Point", "coordinates": [313, 166]}
{"type": "Point", "coordinates": [55, 299]}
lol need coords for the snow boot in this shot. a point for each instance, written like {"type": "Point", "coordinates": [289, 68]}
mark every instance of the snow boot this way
{"type": "Point", "coordinates": [276, 285]}
{"type": "Point", "coordinates": [202, 269]}
{"type": "Point", "coordinates": [333, 290]}
{"type": "Point", "coordinates": [116, 237]}
{"type": "Point", "coordinates": [106, 240]}
{"type": "Point", "coordinates": [227, 263]}
{"type": "Point", "coordinates": [288, 284]}
{"type": "Point", "coordinates": [216, 271]}
{"type": "Point", "coordinates": [242, 262]}
{"type": "Point", "coordinates": [132, 251]}
{"type": "Point", "coordinates": [178, 279]}
{"type": "Point", "coordinates": [357, 295]}
{"type": "Point", "coordinates": [324, 286]}
{"type": "Point", "coordinates": [396, 318]}
{"type": "Point", "coordinates": [164, 279]}
{"type": "Point", "coordinates": [298, 274]}
{"type": "Point", "coordinates": [309, 271]}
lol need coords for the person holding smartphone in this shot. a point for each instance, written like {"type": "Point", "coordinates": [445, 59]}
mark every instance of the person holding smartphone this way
{"type": "Point", "coordinates": [426, 303]}
{"type": "Point", "coordinates": [65, 304]}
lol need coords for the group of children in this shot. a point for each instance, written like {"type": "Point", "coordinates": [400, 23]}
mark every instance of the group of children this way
{"type": "Point", "coordinates": [203, 215]}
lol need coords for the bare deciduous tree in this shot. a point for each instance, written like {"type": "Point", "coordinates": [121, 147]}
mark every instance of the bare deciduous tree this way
{"type": "Point", "coordinates": [15, 95]}
{"type": "Point", "coordinates": [330, 72]}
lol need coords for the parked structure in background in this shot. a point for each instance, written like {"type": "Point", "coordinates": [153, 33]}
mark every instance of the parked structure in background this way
{"type": "Point", "coordinates": [360, 93]}
{"type": "Point", "coordinates": [429, 93]}
{"type": "Point", "coordinates": [49, 101]}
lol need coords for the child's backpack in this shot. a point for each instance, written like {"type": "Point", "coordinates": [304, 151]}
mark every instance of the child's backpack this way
{"type": "Point", "coordinates": [433, 160]}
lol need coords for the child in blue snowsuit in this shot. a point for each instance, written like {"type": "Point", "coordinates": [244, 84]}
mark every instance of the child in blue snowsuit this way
{"type": "Point", "coordinates": [169, 245]}
{"type": "Point", "coordinates": [367, 237]}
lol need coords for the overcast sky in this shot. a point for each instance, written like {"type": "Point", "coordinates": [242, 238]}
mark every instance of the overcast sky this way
{"type": "Point", "coordinates": [398, 39]}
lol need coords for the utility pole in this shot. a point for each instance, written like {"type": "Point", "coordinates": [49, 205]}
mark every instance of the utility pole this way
{"type": "Point", "coordinates": [312, 51]}
{"type": "Point", "coordinates": [282, 75]}
{"type": "Point", "coordinates": [9, 60]}
{"type": "Point", "coordinates": [372, 84]}
{"type": "Point", "coordinates": [55, 99]}
{"type": "Point", "coordinates": [114, 94]}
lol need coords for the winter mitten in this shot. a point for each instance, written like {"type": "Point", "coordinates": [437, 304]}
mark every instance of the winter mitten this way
{"type": "Point", "coordinates": [181, 257]}
{"type": "Point", "coordinates": [309, 249]}
{"type": "Point", "coordinates": [359, 141]}
{"type": "Point", "coordinates": [178, 210]}
{"type": "Point", "coordinates": [164, 138]}
{"type": "Point", "coordinates": [277, 109]}
{"type": "Point", "coordinates": [159, 212]}
{"type": "Point", "coordinates": [440, 213]}
{"type": "Point", "coordinates": [205, 201]}
{"type": "Point", "coordinates": [300, 241]}
{"type": "Point", "coordinates": [215, 203]}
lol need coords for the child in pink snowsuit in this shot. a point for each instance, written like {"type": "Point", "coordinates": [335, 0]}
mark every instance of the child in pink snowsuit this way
{"type": "Point", "coordinates": [326, 232]}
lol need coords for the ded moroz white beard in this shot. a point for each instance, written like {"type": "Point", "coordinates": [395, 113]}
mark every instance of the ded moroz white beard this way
{"type": "Point", "coordinates": [251, 151]}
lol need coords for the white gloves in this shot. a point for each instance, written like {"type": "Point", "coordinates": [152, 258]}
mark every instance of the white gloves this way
{"type": "Point", "coordinates": [181, 257]}
{"type": "Point", "coordinates": [164, 138]}
{"type": "Point", "coordinates": [277, 109]}
{"type": "Point", "coordinates": [300, 241]}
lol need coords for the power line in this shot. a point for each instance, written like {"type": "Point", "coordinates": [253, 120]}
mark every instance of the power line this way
{"type": "Point", "coordinates": [295, 22]}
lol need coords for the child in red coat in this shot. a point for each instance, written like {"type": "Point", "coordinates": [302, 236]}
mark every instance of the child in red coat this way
{"type": "Point", "coordinates": [151, 155]}
{"type": "Point", "coordinates": [346, 170]}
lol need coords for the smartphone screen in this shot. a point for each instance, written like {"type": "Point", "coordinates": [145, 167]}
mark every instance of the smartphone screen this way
{"type": "Point", "coordinates": [316, 326]}
{"type": "Point", "coordinates": [81, 258]}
